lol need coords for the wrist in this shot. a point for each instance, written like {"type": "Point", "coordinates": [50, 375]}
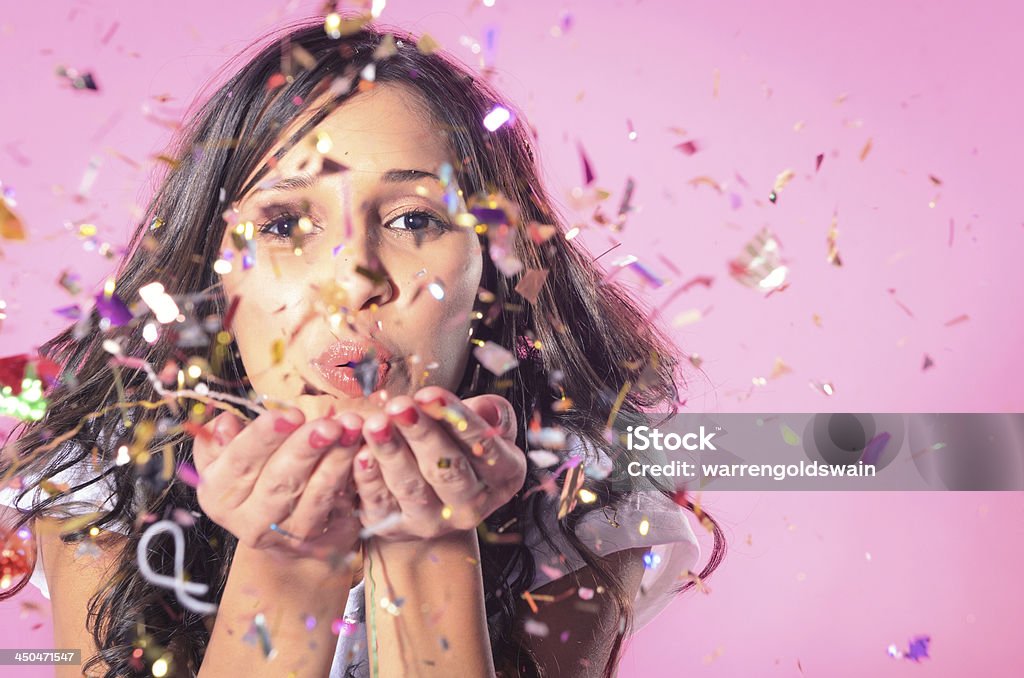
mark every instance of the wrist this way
{"type": "Point", "coordinates": [458, 544]}
{"type": "Point", "coordinates": [295, 569]}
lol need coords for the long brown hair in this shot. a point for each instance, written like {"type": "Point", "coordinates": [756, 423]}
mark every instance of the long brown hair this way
{"type": "Point", "coordinates": [583, 341]}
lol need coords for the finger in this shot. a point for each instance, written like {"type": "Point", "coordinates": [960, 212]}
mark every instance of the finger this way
{"type": "Point", "coordinates": [376, 504]}
{"type": "Point", "coordinates": [235, 470]}
{"type": "Point", "coordinates": [400, 470]}
{"type": "Point", "coordinates": [495, 459]}
{"type": "Point", "coordinates": [329, 487]}
{"type": "Point", "coordinates": [222, 430]}
{"type": "Point", "coordinates": [288, 470]}
{"type": "Point", "coordinates": [439, 456]}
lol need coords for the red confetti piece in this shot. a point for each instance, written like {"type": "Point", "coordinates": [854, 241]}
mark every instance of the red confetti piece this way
{"type": "Point", "coordinates": [688, 147]}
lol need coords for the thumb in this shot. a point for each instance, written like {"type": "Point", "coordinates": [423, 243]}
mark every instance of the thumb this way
{"type": "Point", "coordinates": [496, 411]}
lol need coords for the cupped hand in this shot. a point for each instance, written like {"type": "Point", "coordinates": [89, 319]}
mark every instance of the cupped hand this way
{"type": "Point", "coordinates": [280, 482]}
{"type": "Point", "coordinates": [434, 464]}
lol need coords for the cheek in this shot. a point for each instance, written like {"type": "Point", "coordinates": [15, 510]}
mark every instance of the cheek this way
{"type": "Point", "coordinates": [266, 312]}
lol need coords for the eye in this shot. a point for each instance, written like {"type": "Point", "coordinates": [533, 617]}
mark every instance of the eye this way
{"type": "Point", "coordinates": [417, 220]}
{"type": "Point", "coordinates": [284, 226]}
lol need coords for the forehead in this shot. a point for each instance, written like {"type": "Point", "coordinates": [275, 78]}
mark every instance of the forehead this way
{"type": "Point", "coordinates": [385, 127]}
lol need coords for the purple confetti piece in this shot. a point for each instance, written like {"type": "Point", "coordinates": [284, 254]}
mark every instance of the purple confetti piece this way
{"type": "Point", "coordinates": [918, 648]}
{"type": "Point", "coordinates": [113, 309]}
{"type": "Point", "coordinates": [875, 447]}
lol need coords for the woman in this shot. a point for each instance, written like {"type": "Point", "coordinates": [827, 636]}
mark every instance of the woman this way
{"type": "Point", "coordinates": [370, 271]}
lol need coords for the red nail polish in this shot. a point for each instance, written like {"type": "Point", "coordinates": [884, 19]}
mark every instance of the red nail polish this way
{"type": "Point", "coordinates": [406, 417]}
{"type": "Point", "coordinates": [382, 436]}
{"type": "Point", "coordinates": [282, 425]}
{"type": "Point", "coordinates": [365, 462]}
{"type": "Point", "coordinates": [318, 441]}
{"type": "Point", "coordinates": [349, 436]}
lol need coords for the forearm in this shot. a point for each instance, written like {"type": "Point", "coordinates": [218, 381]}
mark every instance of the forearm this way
{"type": "Point", "coordinates": [440, 629]}
{"type": "Point", "coordinates": [287, 593]}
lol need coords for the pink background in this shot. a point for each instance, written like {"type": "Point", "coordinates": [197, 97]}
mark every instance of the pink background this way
{"type": "Point", "coordinates": [935, 87]}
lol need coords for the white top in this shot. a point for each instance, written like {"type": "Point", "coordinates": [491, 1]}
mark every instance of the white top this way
{"type": "Point", "coordinates": [670, 538]}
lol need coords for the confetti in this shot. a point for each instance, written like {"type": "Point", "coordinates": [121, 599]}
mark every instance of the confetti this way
{"type": "Point", "coordinates": [259, 631]}
{"type": "Point", "coordinates": [928, 362]}
{"type": "Point", "coordinates": [427, 45]}
{"type": "Point", "coordinates": [833, 249]}
{"type": "Point", "coordinates": [497, 117]}
{"type": "Point", "coordinates": [161, 303]}
{"type": "Point", "coordinates": [17, 556]}
{"type": "Point", "coordinates": [11, 226]}
{"type": "Point", "coordinates": [651, 560]}
{"type": "Point", "coordinates": [531, 283]}
{"type": "Point", "coordinates": [790, 436]}
{"type": "Point", "coordinates": [864, 151]}
{"type": "Point", "coordinates": [783, 178]}
{"type": "Point", "coordinates": [688, 147]}
{"type": "Point", "coordinates": [536, 628]}
{"type": "Point", "coordinates": [760, 265]}
{"type": "Point", "coordinates": [184, 590]}
{"type": "Point", "coordinates": [112, 309]}
{"type": "Point", "coordinates": [494, 358]}
{"type": "Point", "coordinates": [818, 160]}
{"type": "Point", "coordinates": [957, 320]}
{"type": "Point", "coordinates": [892, 292]}
{"type": "Point", "coordinates": [916, 651]}
{"type": "Point", "coordinates": [873, 450]}
{"type": "Point", "coordinates": [588, 172]}
{"type": "Point", "coordinates": [543, 458]}
{"type": "Point", "coordinates": [78, 80]}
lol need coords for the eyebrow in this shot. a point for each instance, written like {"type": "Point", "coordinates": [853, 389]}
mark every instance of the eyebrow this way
{"type": "Point", "coordinates": [392, 176]}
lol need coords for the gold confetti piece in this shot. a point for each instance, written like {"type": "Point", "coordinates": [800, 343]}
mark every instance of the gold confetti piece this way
{"type": "Point", "coordinates": [841, 98]}
{"type": "Point", "coordinates": [687, 318]}
{"type": "Point", "coordinates": [833, 248]}
{"type": "Point", "coordinates": [11, 226]}
{"type": "Point", "coordinates": [277, 351]}
{"type": "Point", "coordinates": [789, 435]}
{"type": "Point", "coordinates": [783, 178]}
{"type": "Point", "coordinates": [531, 283]}
{"type": "Point", "coordinates": [707, 181]}
{"type": "Point", "coordinates": [864, 151]}
{"type": "Point", "coordinates": [780, 368]}
{"type": "Point", "coordinates": [427, 44]}
{"type": "Point", "coordinates": [816, 319]}
{"type": "Point", "coordinates": [385, 48]}
{"type": "Point", "coordinates": [571, 485]}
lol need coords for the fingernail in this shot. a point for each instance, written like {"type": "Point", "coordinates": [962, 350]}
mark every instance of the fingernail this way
{"type": "Point", "coordinates": [382, 436]}
{"type": "Point", "coordinates": [219, 433]}
{"type": "Point", "coordinates": [282, 425]}
{"type": "Point", "coordinates": [406, 417]}
{"type": "Point", "coordinates": [349, 436]}
{"type": "Point", "coordinates": [365, 461]}
{"type": "Point", "coordinates": [319, 441]}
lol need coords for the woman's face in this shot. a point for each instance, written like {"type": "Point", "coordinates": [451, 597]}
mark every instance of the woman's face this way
{"type": "Point", "coordinates": [357, 283]}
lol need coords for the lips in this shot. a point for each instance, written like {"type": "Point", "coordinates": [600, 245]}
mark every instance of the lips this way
{"type": "Point", "coordinates": [348, 365]}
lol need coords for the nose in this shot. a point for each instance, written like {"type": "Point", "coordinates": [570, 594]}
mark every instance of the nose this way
{"type": "Point", "coordinates": [362, 274]}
